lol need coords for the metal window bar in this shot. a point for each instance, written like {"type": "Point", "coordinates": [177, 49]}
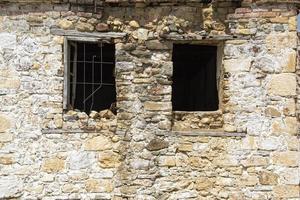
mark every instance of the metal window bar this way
{"type": "Point", "coordinates": [101, 76]}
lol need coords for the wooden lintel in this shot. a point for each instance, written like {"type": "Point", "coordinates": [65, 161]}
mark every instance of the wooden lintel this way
{"type": "Point", "coordinates": [77, 34]}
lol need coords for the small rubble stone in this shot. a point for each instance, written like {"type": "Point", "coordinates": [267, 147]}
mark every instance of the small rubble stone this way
{"type": "Point", "coordinates": [84, 27]}
{"type": "Point", "coordinates": [102, 27]}
{"type": "Point", "coordinates": [65, 24]}
{"type": "Point", "coordinates": [134, 24]}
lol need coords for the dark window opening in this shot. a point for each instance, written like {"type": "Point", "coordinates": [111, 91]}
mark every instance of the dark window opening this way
{"type": "Point", "coordinates": [194, 78]}
{"type": "Point", "coordinates": [91, 76]}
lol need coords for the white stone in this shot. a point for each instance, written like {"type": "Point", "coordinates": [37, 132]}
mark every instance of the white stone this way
{"type": "Point", "coordinates": [237, 65]}
{"type": "Point", "coordinates": [140, 164]}
{"type": "Point", "coordinates": [8, 41]}
{"type": "Point", "coordinates": [81, 160]}
{"type": "Point", "coordinates": [47, 178]}
{"type": "Point", "coordinates": [10, 186]}
{"type": "Point", "coordinates": [142, 34]}
{"type": "Point", "coordinates": [282, 84]}
{"type": "Point", "coordinates": [269, 143]}
{"type": "Point", "coordinates": [289, 176]}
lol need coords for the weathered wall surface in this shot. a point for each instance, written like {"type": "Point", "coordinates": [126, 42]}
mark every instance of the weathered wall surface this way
{"type": "Point", "coordinates": [50, 154]}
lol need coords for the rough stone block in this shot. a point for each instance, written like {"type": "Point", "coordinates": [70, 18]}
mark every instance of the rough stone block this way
{"type": "Point", "coordinates": [185, 147]}
{"type": "Point", "coordinates": [282, 84]}
{"type": "Point", "coordinates": [277, 41]}
{"type": "Point", "coordinates": [289, 158]}
{"type": "Point", "coordinates": [158, 106]}
{"type": "Point", "coordinates": [286, 191]}
{"type": "Point", "coordinates": [288, 125]}
{"type": "Point", "coordinates": [93, 185]}
{"type": "Point", "coordinates": [69, 188]}
{"type": "Point", "coordinates": [272, 111]}
{"type": "Point", "coordinates": [10, 187]}
{"type": "Point", "coordinates": [289, 61]}
{"type": "Point", "coordinates": [109, 159]}
{"type": "Point", "coordinates": [157, 45]}
{"type": "Point", "coordinates": [80, 160]}
{"type": "Point", "coordinates": [289, 176]}
{"type": "Point", "coordinates": [249, 180]}
{"type": "Point", "coordinates": [226, 161]}
{"type": "Point", "coordinates": [98, 143]}
{"type": "Point", "coordinates": [255, 161]}
{"type": "Point", "coordinates": [268, 178]}
{"type": "Point", "coordinates": [9, 83]}
{"type": "Point", "coordinates": [249, 142]}
{"type": "Point", "coordinates": [6, 137]}
{"type": "Point", "coordinates": [167, 161]}
{"type": "Point", "coordinates": [8, 40]}
{"type": "Point", "coordinates": [269, 143]}
{"type": "Point", "coordinates": [53, 165]}
{"type": "Point", "coordinates": [124, 66]}
{"type": "Point", "coordinates": [204, 183]}
{"type": "Point", "coordinates": [6, 159]}
{"type": "Point", "coordinates": [5, 124]}
{"type": "Point", "coordinates": [157, 144]}
{"type": "Point", "coordinates": [289, 108]}
{"type": "Point", "coordinates": [237, 65]}
{"type": "Point", "coordinates": [293, 23]}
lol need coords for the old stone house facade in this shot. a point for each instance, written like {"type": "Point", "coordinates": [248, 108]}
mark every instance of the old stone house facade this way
{"type": "Point", "coordinates": [149, 99]}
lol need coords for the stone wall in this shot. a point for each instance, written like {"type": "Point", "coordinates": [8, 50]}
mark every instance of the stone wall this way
{"type": "Point", "coordinates": [49, 153]}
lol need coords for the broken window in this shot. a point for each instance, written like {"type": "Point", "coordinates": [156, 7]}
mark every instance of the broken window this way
{"type": "Point", "coordinates": [91, 79]}
{"type": "Point", "coordinates": [194, 78]}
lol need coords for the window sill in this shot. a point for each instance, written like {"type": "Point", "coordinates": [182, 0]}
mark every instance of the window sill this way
{"type": "Point", "coordinates": [197, 120]}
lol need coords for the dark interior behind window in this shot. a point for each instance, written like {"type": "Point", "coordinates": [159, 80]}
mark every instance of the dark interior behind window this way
{"type": "Point", "coordinates": [92, 80]}
{"type": "Point", "coordinates": [194, 78]}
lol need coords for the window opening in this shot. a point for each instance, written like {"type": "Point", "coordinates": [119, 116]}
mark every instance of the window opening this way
{"type": "Point", "coordinates": [91, 76]}
{"type": "Point", "coordinates": [194, 78]}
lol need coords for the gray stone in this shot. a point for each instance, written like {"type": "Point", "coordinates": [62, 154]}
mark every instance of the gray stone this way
{"type": "Point", "coordinates": [124, 66]}
{"type": "Point", "coordinates": [101, 27]}
{"type": "Point", "coordinates": [157, 144]}
{"type": "Point", "coordinates": [158, 45]}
